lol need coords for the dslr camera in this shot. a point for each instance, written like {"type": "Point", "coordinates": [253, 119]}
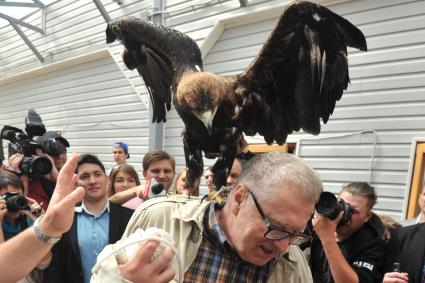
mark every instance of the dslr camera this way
{"type": "Point", "coordinates": [329, 206]}
{"type": "Point", "coordinates": [22, 142]}
{"type": "Point", "coordinates": [14, 202]}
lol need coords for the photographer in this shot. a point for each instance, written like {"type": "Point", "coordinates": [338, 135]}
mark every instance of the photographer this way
{"type": "Point", "coordinates": [350, 248]}
{"type": "Point", "coordinates": [16, 215]}
{"type": "Point", "coordinates": [52, 146]}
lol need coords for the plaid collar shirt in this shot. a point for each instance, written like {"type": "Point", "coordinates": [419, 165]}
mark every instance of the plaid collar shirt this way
{"type": "Point", "coordinates": [217, 260]}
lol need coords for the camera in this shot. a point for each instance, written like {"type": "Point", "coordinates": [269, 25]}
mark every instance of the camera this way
{"type": "Point", "coordinates": [22, 142]}
{"type": "Point", "coordinates": [153, 189]}
{"type": "Point", "coordinates": [14, 201]}
{"type": "Point", "coordinates": [329, 206]}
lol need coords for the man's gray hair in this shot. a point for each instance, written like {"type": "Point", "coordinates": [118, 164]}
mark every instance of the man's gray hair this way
{"type": "Point", "coordinates": [265, 173]}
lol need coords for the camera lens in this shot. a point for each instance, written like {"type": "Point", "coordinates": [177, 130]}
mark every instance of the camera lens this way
{"type": "Point", "coordinates": [16, 203]}
{"type": "Point", "coordinates": [40, 165]}
{"type": "Point", "coordinates": [328, 205]}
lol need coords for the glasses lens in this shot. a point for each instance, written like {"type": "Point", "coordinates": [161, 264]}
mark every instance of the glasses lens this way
{"type": "Point", "coordinates": [277, 235]}
{"type": "Point", "coordinates": [280, 235]}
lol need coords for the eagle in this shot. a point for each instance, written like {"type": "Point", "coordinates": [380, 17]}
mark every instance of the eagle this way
{"type": "Point", "coordinates": [292, 84]}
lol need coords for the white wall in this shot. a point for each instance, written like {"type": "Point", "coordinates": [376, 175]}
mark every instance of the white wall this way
{"type": "Point", "coordinates": [86, 101]}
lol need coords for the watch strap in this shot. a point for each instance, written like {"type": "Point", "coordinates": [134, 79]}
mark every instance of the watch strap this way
{"type": "Point", "coordinates": [39, 233]}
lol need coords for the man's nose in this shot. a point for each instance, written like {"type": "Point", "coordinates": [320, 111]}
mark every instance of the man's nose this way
{"type": "Point", "coordinates": [282, 245]}
{"type": "Point", "coordinates": [92, 179]}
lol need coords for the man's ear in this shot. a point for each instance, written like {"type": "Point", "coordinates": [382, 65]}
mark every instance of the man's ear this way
{"type": "Point", "coordinates": [239, 196]}
{"type": "Point", "coordinates": [369, 215]}
{"type": "Point", "coordinates": [144, 174]}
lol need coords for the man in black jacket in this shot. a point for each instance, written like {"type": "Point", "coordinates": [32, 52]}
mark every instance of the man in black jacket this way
{"type": "Point", "coordinates": [354, 251]}
{"type": "Point", "coordinates": [407, 247]}
{"type": "Point", "coordinates": [96, 223]}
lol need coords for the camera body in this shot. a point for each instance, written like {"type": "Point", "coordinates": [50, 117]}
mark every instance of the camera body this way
{"type": "Point", "coordinates": [153, 189]}
{"type": "Point", "coordinates": [329, 206]}
{"type": "Point", "coordinates": [14, 201]}
{"type": "Point", "coordinates": [23, 143]}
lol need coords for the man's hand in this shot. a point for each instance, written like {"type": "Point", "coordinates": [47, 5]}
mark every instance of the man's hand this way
{"type": "Point", "coordinates": [3, 210]}
{"type": "Point", "coordinates": [324, 227]}
{"type": "Point", "coordinates": [53, 175]}
{"type": "Point", "coordinates": [35, 209]}
{"type": "Point", "coordinates": [395, 277]}
{"type": "Point", "coordinates": [60, 213]}
{"type": "Point", "coordinates": [13, 163]}
{"type": "Point", "coordinates": [141, 269]}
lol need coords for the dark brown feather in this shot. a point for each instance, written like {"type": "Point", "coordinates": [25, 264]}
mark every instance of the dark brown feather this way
{"type": "Point", "coordinates": [299, 74]}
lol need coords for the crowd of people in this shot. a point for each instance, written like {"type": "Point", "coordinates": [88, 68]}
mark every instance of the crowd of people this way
{"type": "Point", "coordinates": [263, 228]}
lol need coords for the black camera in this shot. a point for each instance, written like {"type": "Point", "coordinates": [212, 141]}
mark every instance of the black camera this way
{"type": "Point", "coordinates": [22, 142]}
{"type": "Point", "coordinates": [14, 201]}
{"type": "Point", "coordinates": [329, 206]}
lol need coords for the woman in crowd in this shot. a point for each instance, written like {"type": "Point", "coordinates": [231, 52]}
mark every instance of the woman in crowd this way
{"type": "Point", "coordinates": [178, 186]}
{"type": "Point", "coordinates": [121, 179]}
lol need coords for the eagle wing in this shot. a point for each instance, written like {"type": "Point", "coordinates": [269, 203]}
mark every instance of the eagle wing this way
{"type": "Point", "coordinates": [299, 74]}
{"type": "Point", "coordinates": [159, 54]}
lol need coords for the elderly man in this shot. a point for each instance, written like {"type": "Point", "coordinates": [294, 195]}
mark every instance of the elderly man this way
{"type": "Point", "coordinates": [254, 236]}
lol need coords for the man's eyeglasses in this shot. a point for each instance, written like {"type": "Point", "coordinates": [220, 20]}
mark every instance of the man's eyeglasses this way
{"type": "Point", "coordinates": [276, 234]}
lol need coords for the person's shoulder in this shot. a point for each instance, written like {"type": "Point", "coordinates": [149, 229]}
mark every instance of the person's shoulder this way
{"type": "Point", "coordinates": [411, 229]}
{"type": "Point", "coordinates": [295, 260]}
{"type": "Point", "coordinates": [171, 200]}
{"type": "Point", "coordinates": [409, 222]}
{"type": "Point", "coordinates": [170, 206]}
{"type": "Point", "coordinates": [376, 224]}
{"type": "Point", "coordinates": [115, 207]}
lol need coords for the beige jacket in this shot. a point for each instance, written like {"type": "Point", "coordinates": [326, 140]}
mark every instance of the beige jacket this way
{"type": "Point", "coordinates": [182, 218]}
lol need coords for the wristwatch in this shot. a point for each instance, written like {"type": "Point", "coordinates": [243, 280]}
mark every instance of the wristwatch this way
{"type": "Point", "coordinates": [39, 233]}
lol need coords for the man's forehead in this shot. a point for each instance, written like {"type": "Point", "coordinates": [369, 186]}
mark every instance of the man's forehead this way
{"type": "Point", "coordinates": [10, 188]}
{"type": "Point", "coordinates": [288, 209]}
{"type": "Point", "coordinates": [161, 164]}
{"type": "Point", "coordinates": [88, 168]}
{"type": "Point", "coordinates": [357, 200]}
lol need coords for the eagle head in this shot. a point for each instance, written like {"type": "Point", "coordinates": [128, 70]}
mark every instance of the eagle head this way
{"type": "Point", "coordinates": [201, 93]}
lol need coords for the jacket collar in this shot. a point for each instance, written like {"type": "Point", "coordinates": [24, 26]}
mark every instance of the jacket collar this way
{"type": "Point", "coordinates": [83, 207]}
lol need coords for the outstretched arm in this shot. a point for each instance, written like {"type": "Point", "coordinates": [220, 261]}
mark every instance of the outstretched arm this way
{"type": "Point", "coordinates": [23, 252]}
{"type": "Point", "coordinates": [124, 196]}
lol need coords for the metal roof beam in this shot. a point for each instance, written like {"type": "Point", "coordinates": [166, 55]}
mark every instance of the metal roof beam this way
{"type": "Point", "coordinates": [21, 23]}
{"type": "Point", "coordinates": [102, 10]}
{"type": "Point", "coordinates": [27, 41]}
{"type": "Point", "coordinates": [39, 3]}
{"type": "Point", "coordinates": [19, 4]}
{"type": "Point", "coordinates": [15, 23]}
{"type": "Point", "coordinates": [243, 3]}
